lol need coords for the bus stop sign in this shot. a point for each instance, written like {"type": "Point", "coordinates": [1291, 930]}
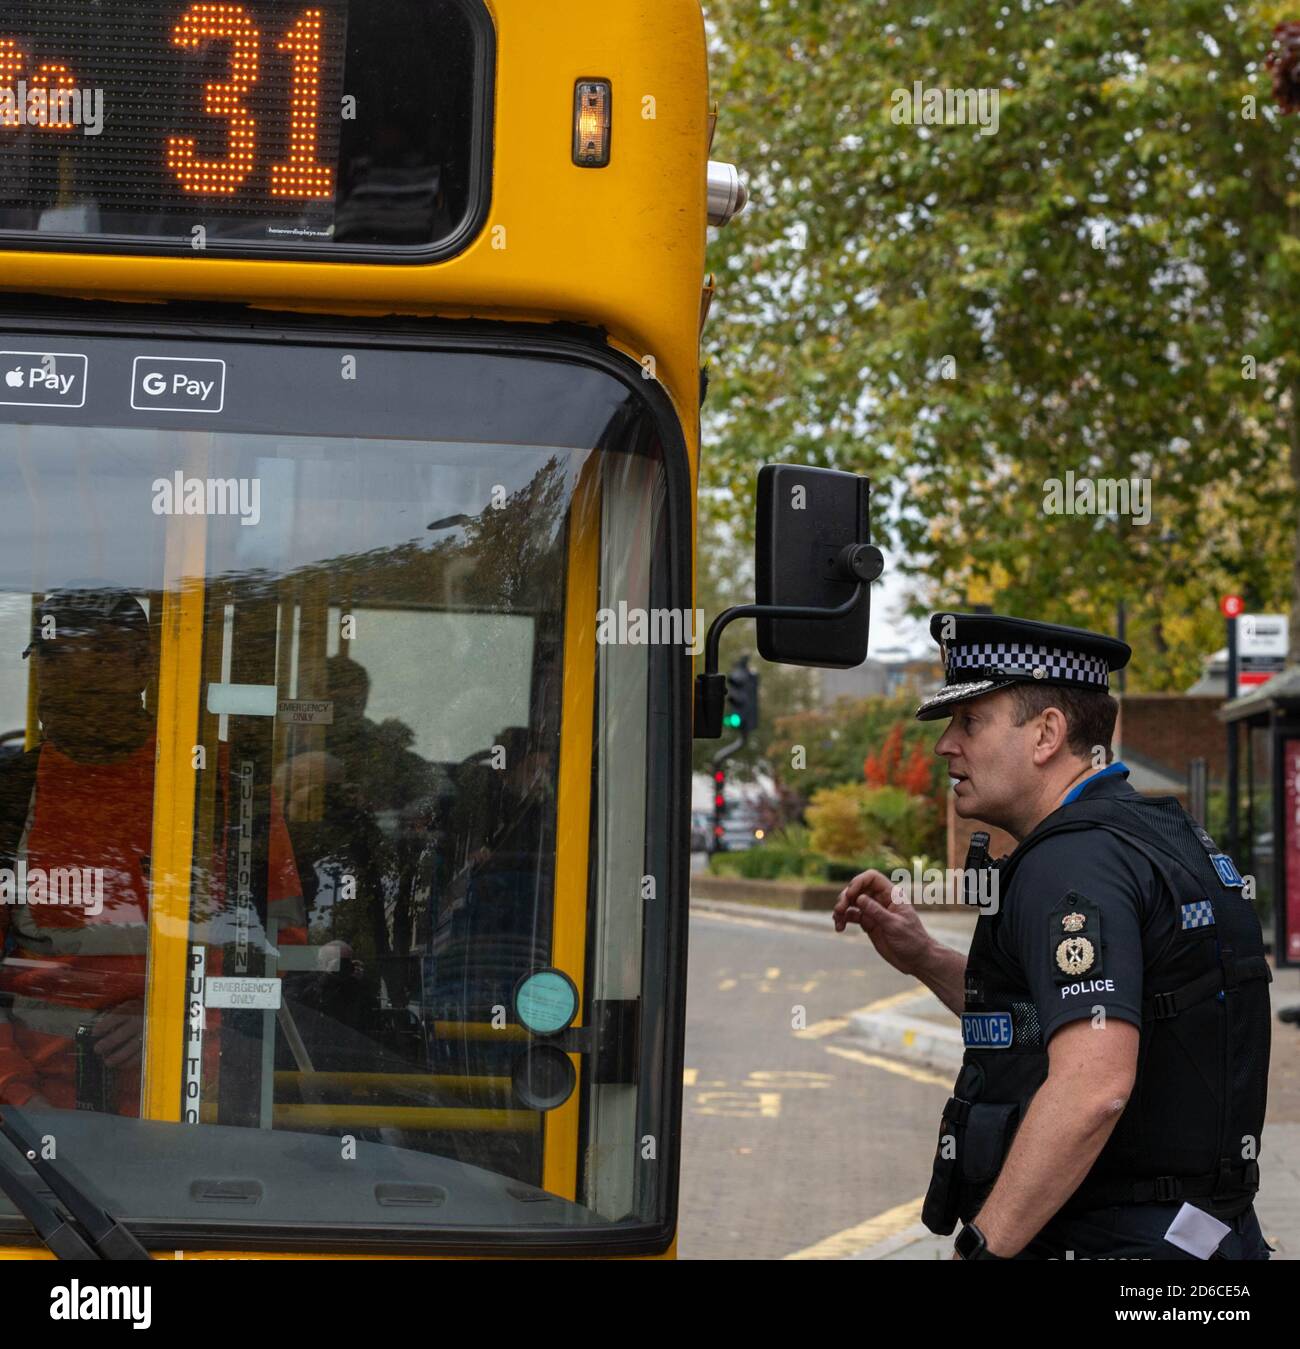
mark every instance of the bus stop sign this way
{"type": "Point", "coordinates": [1261, 647]}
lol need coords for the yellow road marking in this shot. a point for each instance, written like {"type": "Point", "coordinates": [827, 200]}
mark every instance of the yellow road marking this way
{"type": "Point", "coordinates": [818, 1029]}
{"type": "Point", "coordinates": [739, 1104]}
{"type": "Point", "coordinates": [772, 972]}
{"type": "Point", "coordinates": [689, 1075]}
{"type": "Point", "coordinates": [894, 1000]}
{"type": "Point", "coordinates": [791, 1077]}
{"type": "Point", "coordinates": [890, 1066]}
{"type": "Point", "coordinates": [726, 986]}
{"type": "Point", "coordinates": [865, 1234]}
{"type": "Point", "coordinates": [832, 1024]}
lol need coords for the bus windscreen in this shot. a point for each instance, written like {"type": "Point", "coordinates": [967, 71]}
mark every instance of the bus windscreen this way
{"type": "Point", "coordinates": [274, 127]}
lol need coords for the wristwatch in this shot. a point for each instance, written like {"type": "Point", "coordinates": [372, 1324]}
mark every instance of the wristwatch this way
{"type": "Point", "coordinates": [970, 1244]}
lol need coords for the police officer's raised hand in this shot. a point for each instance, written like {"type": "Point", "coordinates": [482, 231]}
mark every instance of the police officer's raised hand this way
{"type": "Point", "coordinates": [872, 901]}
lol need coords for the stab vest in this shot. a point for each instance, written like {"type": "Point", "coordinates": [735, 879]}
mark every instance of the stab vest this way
{"type": "Point", "coordinates": [1192, 1125]}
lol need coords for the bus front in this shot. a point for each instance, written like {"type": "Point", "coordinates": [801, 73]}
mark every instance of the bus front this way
{"type": "Point", "coordinates": [349, 395]}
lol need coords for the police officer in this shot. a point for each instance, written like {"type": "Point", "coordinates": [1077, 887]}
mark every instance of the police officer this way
{"type": "Point", "coordinates": [1114, 1004]}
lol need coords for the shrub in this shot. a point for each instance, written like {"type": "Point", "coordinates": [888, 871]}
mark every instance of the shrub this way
{"type": "Point", "coordinates": [725, 863]}
{"type": "Point", "coordinates": [840, 871]}
{"type": "Point", "coordinates": [785, 853]}
{"type": "Point", "coordinates": [853, 820]}
{"type": "Point", "coordinates": [796, 837]}
{"type": "Point", "coordinates": [838, 828]}
{"type": "Point", "coordinates": [904, 823]}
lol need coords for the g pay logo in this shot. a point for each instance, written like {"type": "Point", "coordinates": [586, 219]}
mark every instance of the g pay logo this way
{"type": "Point", "coordinates": [43, 379]}
{"type": "Point", "coordinates": [177, 384]}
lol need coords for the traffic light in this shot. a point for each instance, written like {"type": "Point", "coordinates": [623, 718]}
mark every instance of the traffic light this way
{"type": "Point", "coordinates": [742, 697]}
{"type": "Point", "coordinates": [719, 809]}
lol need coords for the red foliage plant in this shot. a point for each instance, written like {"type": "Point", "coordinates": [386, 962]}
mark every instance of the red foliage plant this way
{"type": "Point", "coordinates": [882, 770]}
{"type": "Point", "coordinates": [915, 774]}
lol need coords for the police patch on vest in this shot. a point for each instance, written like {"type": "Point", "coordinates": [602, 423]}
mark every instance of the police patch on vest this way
{"type": "Point", "coordinates": [1074, 938]}
{"type": "Point", "coordinates": [1200, 913]}
{"type": "Point", "coordinates": [987, 1030]}
{"type": "Point", "coordinates": [1227, 870]}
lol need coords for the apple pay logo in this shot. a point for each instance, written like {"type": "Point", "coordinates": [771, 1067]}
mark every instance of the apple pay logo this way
{"type": "Point", "coordinates": [52, 379]}
{"type": "Point", "coordinates": [177, 384]}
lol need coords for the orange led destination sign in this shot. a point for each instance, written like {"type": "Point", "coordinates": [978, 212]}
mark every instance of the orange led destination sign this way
{"type": "Point", "coordinates": [267, 126]}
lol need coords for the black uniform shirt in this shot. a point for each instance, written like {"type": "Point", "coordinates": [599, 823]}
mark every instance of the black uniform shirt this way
{"type": "Point", "coordinates": [1080, 911]}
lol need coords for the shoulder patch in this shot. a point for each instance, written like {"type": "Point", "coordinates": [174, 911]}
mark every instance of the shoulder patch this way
{"type": "Point", "coordinates": [1227, 870]}
{"type": "Point", "coordinates": [1074, 938]}
{"type": "Point", "coordinates": [1200, 913]}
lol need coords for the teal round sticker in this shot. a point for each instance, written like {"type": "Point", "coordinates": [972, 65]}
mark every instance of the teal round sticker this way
{"type": "Point", "coordinates": [546, 1002]}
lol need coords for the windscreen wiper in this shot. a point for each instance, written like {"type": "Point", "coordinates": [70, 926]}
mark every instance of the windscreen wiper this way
{"type": "Point", "coordinates": [61, 1236]}
{"type": "Point", "coordinates": [93, 1226]}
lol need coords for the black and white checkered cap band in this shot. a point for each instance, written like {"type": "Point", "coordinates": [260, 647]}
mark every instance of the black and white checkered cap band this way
{"type": "Point", "coordinates": [1022, 658]}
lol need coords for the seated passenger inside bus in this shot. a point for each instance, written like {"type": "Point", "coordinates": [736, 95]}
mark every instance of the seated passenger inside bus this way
{"type": "Point", "coordinates": [76, 834]}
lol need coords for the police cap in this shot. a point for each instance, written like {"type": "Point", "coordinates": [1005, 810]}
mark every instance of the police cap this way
{"type": "Point", "coordinates": [984, 652]}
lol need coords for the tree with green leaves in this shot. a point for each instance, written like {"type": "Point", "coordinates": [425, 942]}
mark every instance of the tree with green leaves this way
{"type": "Point", "coordinates": [1098, 279]}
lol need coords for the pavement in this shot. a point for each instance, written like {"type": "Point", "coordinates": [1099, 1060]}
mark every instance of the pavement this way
{"type": "Point", "coordinates": [915, 1027]}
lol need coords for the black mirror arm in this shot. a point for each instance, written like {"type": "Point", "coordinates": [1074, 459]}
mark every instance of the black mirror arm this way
{"type": "Point", "coordinates": [801, 611]}
{"type": "Point", "coordinates": [711, 687]}
{"type": "Point", "coordinates": [858, 562]}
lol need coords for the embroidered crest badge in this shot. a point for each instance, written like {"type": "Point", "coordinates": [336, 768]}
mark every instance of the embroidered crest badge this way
{"type": "Point", "coordinates": [1075, 955]}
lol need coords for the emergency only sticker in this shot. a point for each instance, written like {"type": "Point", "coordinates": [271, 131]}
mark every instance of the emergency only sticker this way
{"type": "Point", "coordinates": [306, 711]}
{"type": "Point", "coordinates": [243, 992]}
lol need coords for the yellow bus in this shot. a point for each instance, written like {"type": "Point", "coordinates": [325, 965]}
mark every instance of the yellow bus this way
{"type": "Point", "coordinates": [349, 409]}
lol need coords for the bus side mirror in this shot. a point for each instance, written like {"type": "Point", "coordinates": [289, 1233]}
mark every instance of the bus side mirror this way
{"type": "Point", "coordinates": [813, 581]}
{"type": "Point", "coordinates": [811, 548]}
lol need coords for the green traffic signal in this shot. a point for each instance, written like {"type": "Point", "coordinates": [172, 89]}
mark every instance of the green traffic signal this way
{"type": "Point", "coordinates": [742, 695]}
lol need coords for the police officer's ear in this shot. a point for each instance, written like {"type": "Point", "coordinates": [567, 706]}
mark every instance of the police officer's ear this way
{"type": "Point", "coordinates": [1051, 735]}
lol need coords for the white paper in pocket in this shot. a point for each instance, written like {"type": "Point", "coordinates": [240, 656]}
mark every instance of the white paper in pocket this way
{"type": "Point", "coordinates": [1196, 1232]}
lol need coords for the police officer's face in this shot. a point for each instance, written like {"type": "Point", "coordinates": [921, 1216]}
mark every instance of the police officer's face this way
{"type": "Point", "coordinates": [989, 755]}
